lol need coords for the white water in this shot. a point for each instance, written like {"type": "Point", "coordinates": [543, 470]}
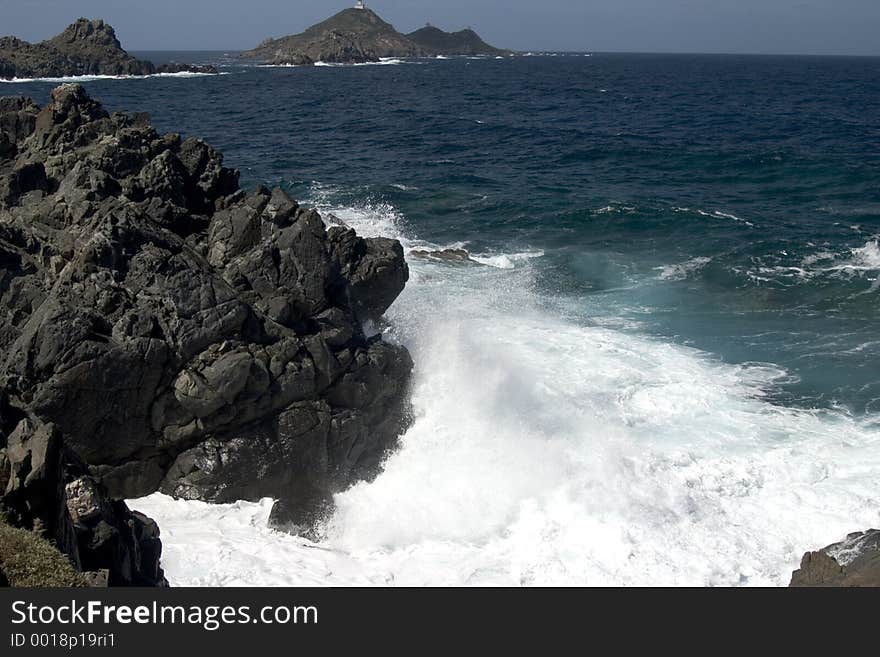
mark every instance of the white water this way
{"type": "Point", "coordinates": [549, 451]}
{"type": "Point", "coordinates": [95, 78]}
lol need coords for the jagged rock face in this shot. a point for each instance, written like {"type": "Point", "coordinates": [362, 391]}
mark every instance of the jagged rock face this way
{"type": "Point", "coordinates": [84, 48]}
{"type": "Point", "coordinates": [352, 36]}
{"type": "Point", "coordinates": [45, 489]}
{"type": "Point", "coordinates": [87, 47]}
{"type": "Point", "coordinates": [854, 562]}
{"type": "Point", "coordinates": [180, 334]}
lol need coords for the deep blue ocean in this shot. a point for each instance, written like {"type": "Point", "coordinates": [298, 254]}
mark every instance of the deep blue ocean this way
{"type": "Point", "coordinates": [674, 251]}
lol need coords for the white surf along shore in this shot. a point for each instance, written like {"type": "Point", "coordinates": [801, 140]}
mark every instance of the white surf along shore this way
{"type": "Point", "coordinates": [551, 451]}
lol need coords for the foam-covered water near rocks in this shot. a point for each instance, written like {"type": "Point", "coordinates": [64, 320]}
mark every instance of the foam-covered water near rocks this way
{"type": "Point", "coordinates": [548, 450]}
{"type": "Point", "coordinates": [96, 78]}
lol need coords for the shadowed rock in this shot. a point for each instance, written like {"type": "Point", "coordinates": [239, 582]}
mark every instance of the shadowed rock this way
{"type": "Point", "coordinates": [463, 42]}
{"type": "Point", "coordinates": [86, 47]}
{"type": "Point", "coordinates": [356, 36]}
{"type": "Point", "coordinates": [180, 334]}
{"type": "Point", "coordinates": [47, 491]}
{"type": "Point", "coordinates": [454, 256]}
{"type": "Point", "coordinates": [353, 36]}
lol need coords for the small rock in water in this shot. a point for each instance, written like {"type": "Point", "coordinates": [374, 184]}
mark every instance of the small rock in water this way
{"type": "Point", "coordinates": [457, 256]}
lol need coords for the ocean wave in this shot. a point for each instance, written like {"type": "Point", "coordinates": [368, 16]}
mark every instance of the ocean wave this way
{"type": "Point", "coordinates": [385, 61]}
{"type": "Point", "coordinates": [505, 260]}
{"type": "Point", "coordinates": [715, 214]}
{"type": "Point", "coordinates": [683, 270]}
{"type": "Point", "coordinates": [856, 263]}
{"type": "Point", "coordinates": [548, 451]}
{"type": "Point", "coordinates": [384, 220]}
{"type": "Point", "coordinates": [616, 208]}
{"type": "Point", "coordinates": [862, 259]}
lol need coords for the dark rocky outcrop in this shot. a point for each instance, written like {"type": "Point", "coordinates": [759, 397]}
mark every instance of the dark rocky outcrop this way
{"type": "Point", "coordinates": [463, 42]}
{"type": "Point", "coordinates": [178, 333]}
{"type": "Point", "coordinates": [854, 562]}
{"type": "Point", "coordinates": [87, 47]}
{"type": "Point", "coordinates": [176, 67]}
{"type": "Point", "coordinates": [46, 490]}
{"type": "Point", "coordinates": [353, 36]}
{"type": "Point", "coordinates": [451, 256]}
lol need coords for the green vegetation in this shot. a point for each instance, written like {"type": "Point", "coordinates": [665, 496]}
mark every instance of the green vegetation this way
{"type": "Point", "coordinates": [26, 560]}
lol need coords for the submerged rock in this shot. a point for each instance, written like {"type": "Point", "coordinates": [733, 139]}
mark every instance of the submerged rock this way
{"type": "Point", "coordinates": [175, 67]}
{"type": "Point", "coordinates": [86, 47]}
{"type": "Point", "coordinates": [455, 256]}
{"type": "Point", "coordinates": [178, 333]}
{"type": "Point", "coordinates": [853, 562]}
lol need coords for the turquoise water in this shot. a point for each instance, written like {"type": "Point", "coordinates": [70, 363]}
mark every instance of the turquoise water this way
{"type": "Point", "coordinates": [664, 368]}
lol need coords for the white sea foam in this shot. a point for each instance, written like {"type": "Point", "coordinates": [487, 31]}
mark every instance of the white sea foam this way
{"type": "Point", "coordinates": [385, 61]}
{"type": "Point", "coordinates": [96, 78]}
{"type": "Point", "coordinates": [546, 451]}
{"type": "Point", "coordinates": [682, 270]}
{"type": "Point", "coordinates": [863, 259]}
{"type": "Point", "coordinates": [505, 260]}
{"type": "Point", "coordinates": [716, 214]}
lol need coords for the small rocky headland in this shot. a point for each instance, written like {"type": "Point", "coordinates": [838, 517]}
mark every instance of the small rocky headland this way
{"type": "Point", "coordinates": [360, 35]}
{"type": "Point", "coordinates": [87, 47]}
{"type": "Point", "coordinates": [164, 330]}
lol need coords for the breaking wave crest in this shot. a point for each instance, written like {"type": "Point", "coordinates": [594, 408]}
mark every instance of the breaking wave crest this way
{"type": "Point", "coordinates": [551, 451]}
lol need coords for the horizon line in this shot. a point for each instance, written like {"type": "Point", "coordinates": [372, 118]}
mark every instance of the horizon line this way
{"type": "Point", "coordinates": [542, 51]}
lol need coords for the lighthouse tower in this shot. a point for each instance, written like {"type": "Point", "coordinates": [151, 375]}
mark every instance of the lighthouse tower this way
{"type": "Point", "coordinates": [360, 5]}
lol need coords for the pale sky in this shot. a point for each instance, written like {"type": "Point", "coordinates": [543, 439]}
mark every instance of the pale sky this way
{"type": "Point", "coordinates": [842, 27]}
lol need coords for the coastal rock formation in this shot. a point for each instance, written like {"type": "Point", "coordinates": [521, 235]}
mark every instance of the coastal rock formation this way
{"type": "Point", "coordinates": [463, 42]}
{"type": "Point", "coordinates": [46, 490]}
{"type": "Point", "coordinates": [451, 256]}
{"type": "Point", "coordinates": [356, 36]}
{"type": "Point", "coordinates": [87, 47]}
{"type": "Point", "coordinates": [178, 333]}
{"type": "Point", "coordinates": [855, 561]}
{"type": "Point", "coordinates": [353, 36]}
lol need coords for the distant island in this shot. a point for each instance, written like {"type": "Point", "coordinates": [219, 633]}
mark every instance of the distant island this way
{"type": "Point", "coordinates": [358, 35]}
{"type": "Point", "coordinates": [87, 47]}
{"type": "Point", "coordinates": [463, 42]}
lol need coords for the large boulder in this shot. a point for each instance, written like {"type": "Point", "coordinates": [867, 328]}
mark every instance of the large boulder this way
{"type": "Point", "coordinates": [180, 334]}
{"type": "Point", "coordinates": [853, 562]}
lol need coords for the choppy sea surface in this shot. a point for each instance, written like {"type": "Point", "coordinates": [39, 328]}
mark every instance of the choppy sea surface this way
{"type": "Point", "coordinates": [664, 365]}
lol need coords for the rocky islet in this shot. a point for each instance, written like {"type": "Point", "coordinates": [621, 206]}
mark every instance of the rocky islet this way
{"type": "Point", "coordinates": [86, 47]}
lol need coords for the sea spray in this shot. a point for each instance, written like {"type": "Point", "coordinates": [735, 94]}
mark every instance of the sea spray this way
{"type": "Point", "coordinates": [546, 451]}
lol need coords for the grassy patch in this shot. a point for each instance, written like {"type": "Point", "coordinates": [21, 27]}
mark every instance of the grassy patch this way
{"type": "Point", "coordinates": [26, 560]}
